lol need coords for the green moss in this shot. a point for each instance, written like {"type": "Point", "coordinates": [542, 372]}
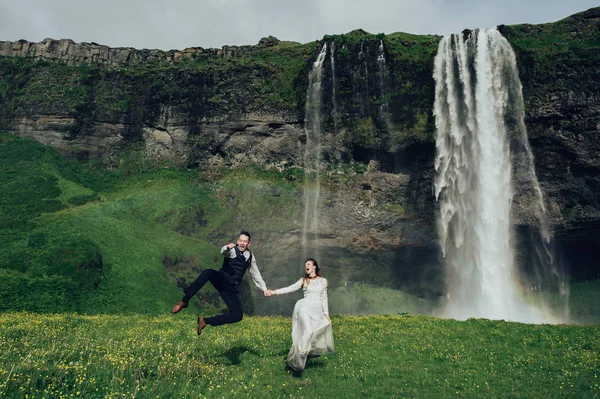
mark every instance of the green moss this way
{"type": "Point", "coordinates": [352, 38]}
{"type": "Point", "coordinates": [544, 40]}
{"type": "Point", "coordinates": [572, 41]}
{"type": "Point", "coordinates": [367, 135]}
{"type": "Point", "coordinates": [100, 237]}
{"type": "Point", "coordinates": [422, 130]}
{"type": "Point", "coordinates": [199, 88]}
{"type": "Point", "coordinates": [397, 209]}
{"type": "Point", "coordinates": [412, 48]}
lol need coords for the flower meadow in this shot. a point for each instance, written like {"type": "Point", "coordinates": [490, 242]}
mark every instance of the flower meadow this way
{"type": "Point", "coordinates": [141, 356]}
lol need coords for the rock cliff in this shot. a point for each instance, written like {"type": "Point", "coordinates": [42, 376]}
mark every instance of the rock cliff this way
{"type": "Point", "coordinates": [235, 105]}
{"type": "Point", "coordinates": [66, 50]}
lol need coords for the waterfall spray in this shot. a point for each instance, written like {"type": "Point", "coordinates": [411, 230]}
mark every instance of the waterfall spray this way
{"type": "Point", "coordinates": [476, 81]}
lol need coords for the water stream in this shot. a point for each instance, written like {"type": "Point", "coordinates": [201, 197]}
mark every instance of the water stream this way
{"type": "Point", "coordinates": [312, 157]}
{"type": "Point", "coordinates": [478, 110]}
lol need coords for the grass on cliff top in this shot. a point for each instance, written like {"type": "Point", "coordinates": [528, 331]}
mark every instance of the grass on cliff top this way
{"type": "Point", "coordinates": [65, 355]}
{"type": "Point", "coordinates": [575, 35]}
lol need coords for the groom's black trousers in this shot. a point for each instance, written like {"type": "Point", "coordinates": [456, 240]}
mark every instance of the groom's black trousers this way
{"type": "Point", "coordinates": [228, 291]}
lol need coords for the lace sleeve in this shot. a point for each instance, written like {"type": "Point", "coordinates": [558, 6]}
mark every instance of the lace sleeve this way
{"type": "Point", "coordinates": [324, 300]}
{"type": "Point", "coordinates": [286, 290]}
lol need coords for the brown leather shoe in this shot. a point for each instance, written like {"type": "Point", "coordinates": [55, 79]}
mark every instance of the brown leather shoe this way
{"type": "Point", "coordinates": [178, 306]}
{"type": "Point", "coordinates": [201, 324]}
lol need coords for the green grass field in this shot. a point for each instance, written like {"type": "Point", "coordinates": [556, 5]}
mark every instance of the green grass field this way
{"type": "Point", "coordinates": [141, 356]}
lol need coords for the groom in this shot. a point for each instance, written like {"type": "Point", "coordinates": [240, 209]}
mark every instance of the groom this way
{"type": "Point", "coordinates": [237, 259]}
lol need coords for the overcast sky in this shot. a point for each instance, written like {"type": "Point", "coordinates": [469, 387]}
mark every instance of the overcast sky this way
{"type": "Point", "coordinates": [177, 24]}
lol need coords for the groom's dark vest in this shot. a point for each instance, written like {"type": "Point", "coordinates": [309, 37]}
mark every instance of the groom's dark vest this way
{"type": "Point", "coordinates": [234, 268]}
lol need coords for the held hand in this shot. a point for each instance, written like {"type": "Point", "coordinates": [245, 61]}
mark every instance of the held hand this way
{"type": "Point", "coordinates": [269, 293]}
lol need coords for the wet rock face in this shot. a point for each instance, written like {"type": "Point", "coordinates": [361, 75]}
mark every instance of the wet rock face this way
{"type": "Point", "coordinates": [565, 135]}
{"type": "Point", "coordinates": [561, 91]}
{"type": "Point", "coordinates": [563, 122]}
{"type": "Point", "coordinates": [208, 144]}
{"type": "Point", "coordinates": [560, 88]}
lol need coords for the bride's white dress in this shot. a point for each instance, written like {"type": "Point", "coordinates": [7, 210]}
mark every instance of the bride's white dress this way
{"type": "Point", "coordinates": [311, 331]}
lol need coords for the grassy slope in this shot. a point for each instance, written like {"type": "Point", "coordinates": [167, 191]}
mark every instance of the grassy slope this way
{"type": "Point", "coordinates": [557, 58]}
{"type": "Point", "coordinates": [376, 356]}
{"type": "Point", "coordinates": [134, 248]}
{"type": "Point", "coordinates": [116, 218]}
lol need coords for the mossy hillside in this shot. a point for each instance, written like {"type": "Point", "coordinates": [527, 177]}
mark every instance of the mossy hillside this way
{"type": "Point", "coordinates": [557, 56]}
{"type": "Point", "coordinates": [70, 243]}
{"type": "Point", "coordinates": [289, 62]}
{"type": "Point", "coordinates": [376, 356]}
{"type": "Point", "coordinates": [79, 237]}
{"type": "Point", "coordinates": [577, 33]}
{"type": "Point", "coordinates": [265, 201]}
{"type": "Point", "coordinates": [413, 87]}
{"type": "Point", "coordinates": [558, 66]}
{"type": "Point", "coordinates": [272, 80]}
{"type": "Point", "coordinates": [378, 102]}
{"type": "Point", "coordinates": [60, 267]}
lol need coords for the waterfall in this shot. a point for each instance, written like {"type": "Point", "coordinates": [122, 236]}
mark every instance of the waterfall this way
{"type": "Point", "coordinates": [312, 156]}
{"type": "Point", "coordinates": [478, 110]}
{"type": "Point", "coordinates": [361, 81]}
{"type": "Point", "coordinates": [334, 88]}
{"type": "Point", "coordinates": [382, 72]}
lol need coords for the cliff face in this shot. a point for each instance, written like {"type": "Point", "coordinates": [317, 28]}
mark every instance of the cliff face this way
{"type": "Point", "coordinates": [72, 53]}
{"type": "Point", "coordinates": [560, 71]}
{"type": "Point", "coordinates": [215, 108]}
{"type": "Point", "coordinates": [378, 89]}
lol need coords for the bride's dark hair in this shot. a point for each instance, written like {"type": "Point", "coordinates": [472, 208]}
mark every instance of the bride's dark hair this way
{"type": "Point", "coordinates": [317, 271]}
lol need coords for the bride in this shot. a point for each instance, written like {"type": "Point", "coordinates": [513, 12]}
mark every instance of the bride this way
{"type": "Point", "coordinates": [311, 325]}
